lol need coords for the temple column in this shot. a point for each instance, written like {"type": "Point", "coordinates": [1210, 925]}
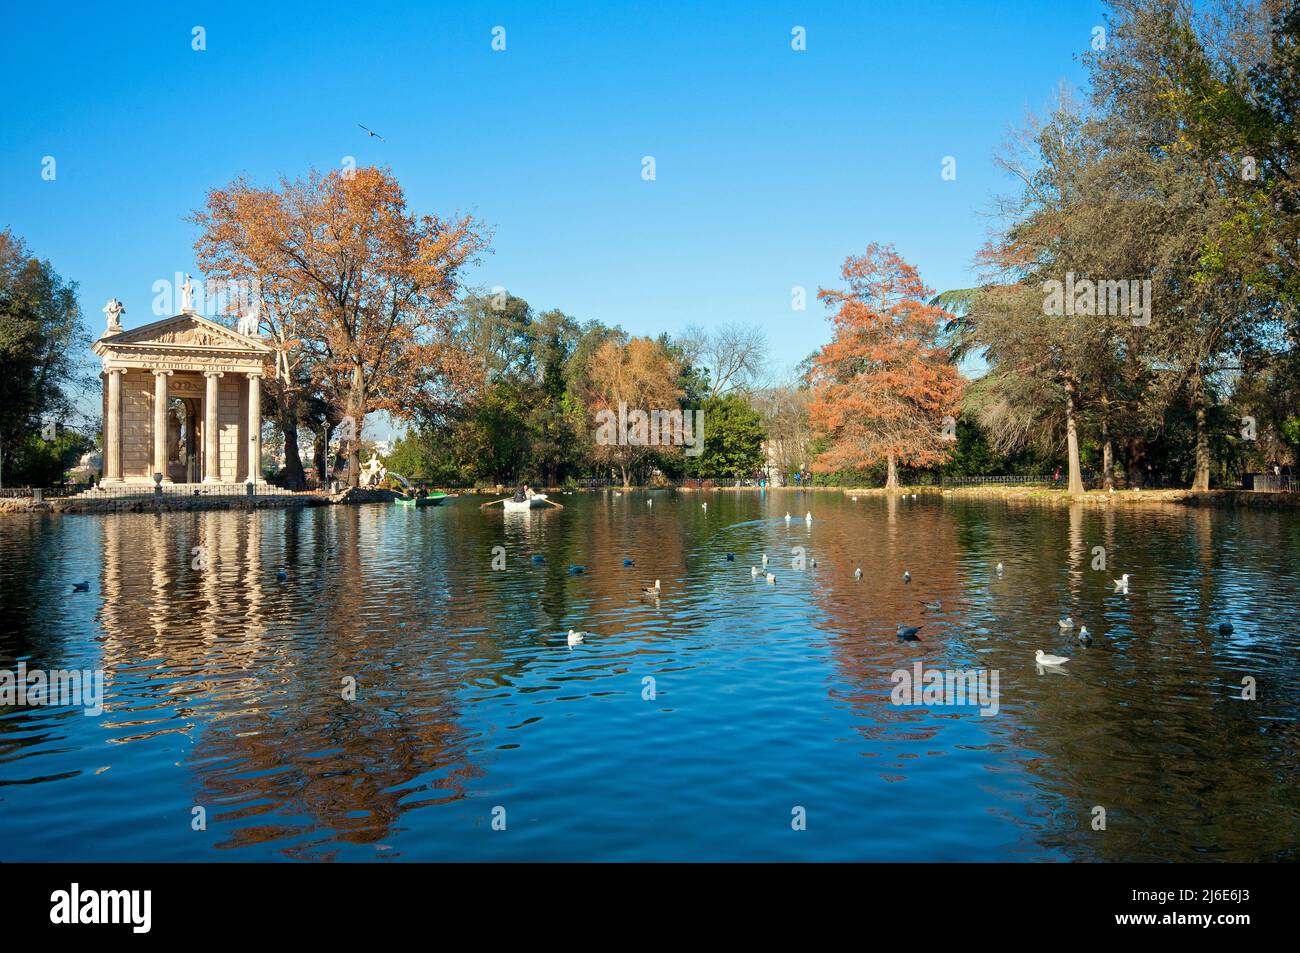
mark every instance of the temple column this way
{"type": "Point", "coordinates": [160, 424]}
{"type": "Point", "coordinates": [211, 444]}
{"type": "Point", "coordinates": [254, 428]}
{"type": "Point", "coordinates": [113, 429]}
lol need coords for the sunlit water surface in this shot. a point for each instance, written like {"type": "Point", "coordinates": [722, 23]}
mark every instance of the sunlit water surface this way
{"type": "Point", "coordinates": [700, 726]}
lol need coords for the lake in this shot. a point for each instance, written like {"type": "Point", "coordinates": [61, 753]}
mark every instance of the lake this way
{"type": "Point", "coordinates": [728, 719]}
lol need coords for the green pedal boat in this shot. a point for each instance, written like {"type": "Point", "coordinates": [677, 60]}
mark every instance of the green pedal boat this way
{"type": "Point", "coordinates": [433, 499]}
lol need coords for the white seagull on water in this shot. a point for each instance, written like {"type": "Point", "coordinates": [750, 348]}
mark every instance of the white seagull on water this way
{"type": "Point", "coordinates": [1043, 659]}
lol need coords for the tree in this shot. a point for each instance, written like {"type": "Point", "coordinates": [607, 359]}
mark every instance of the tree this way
{"type": "Point", "coordinates": [883, 385]}
{"type": "Point", "coordinates": [42, 341]}
{"type": "Point", "coordinates": [733, 439]}
{"type": "Point", "coordinates": [381, 283]}
{"type": "Point", "coordinates": [733, 357]}
{"type": "Point", "coordinates": [626, 384]}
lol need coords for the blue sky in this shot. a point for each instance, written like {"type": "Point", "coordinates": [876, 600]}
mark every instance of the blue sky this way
{"type": "Point", "coordinates": [772, 165]}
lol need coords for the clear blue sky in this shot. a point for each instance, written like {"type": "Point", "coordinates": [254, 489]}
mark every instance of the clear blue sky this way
{"type": "Point", "coordinates": [772, 164]}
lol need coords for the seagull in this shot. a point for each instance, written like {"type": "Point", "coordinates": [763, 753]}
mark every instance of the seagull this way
{"type": "Point", "coordinates": [1043, 659]}
{"type": "Point", "coordinates": [907, 633]}
{"type": "Point", "coordinates": [999, 569]}
{"type": "Point", "coordinates": [771, 579]}
{"type": "Point", "coordinates": [370, 132]}
{"type": "Point", "coordinates": [704, 506]}
{"type": "Point", "coordinates": [575, 637]}
{"type": "Point", "coordinates": [1084, 637]}
{"type": "Point", "coordinates": [753, 572]}
{"type": "Point", "coordinates": [933, 606]}
{"type": "Point", "coordinates": [857, 573]}
{"type": "Point", "coordinates": [814, 562]}
{"type": "Point", "coordinates": [787, 517]}
{"type": "Point", "coordinates": [855, 499]}
{"type": "Point", "coordinates": [765, 560]}
{"type": "Point", "coordinates": [649, 502]}
{"type": "Point", "coordinates": [1121, 584]}
{"type": "Point", "coordinates": [1066, 623]}
{"type": "Point", "coordinates": [81, 587]}
{"type": "Point", "coordinates": [913, 496]}
{"type": "Point", "coordinates": [651, 590]}
{"type": "Point", "coordinates": [907, 577]}
{"type": "Point", "coordinates": [808, 518]}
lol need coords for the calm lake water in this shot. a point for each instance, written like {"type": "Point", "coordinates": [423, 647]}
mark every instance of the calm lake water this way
{"type": "Point", "coordinates": [223, 686]}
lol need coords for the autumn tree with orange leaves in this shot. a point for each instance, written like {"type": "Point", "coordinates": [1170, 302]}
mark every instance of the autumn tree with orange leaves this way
{"type": "Point", "coordinates": [367, 286]}
{"type": "Point", "coordinates": [883, 385]}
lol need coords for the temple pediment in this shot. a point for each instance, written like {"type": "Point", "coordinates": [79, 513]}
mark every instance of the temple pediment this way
{"type": "Point", "coordinates": [188, 332]}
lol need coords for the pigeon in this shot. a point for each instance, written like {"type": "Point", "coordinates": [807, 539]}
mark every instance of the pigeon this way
{"type": "Point", "coordinates": [907, 633]}
{"type": "Point", "coordinates": [575, 637]}
{"type": "Point", "coordinates": [857, 573]}
{"type": "Point", "coordinates": [1084, 637]}
{"type": "Point", "coordinates": [1121, 584]}
{"type": "Point", "coordinates": [81, 587]}
{"type": "Point", "coordinates": [907, 577]}
{"type": "Point", "coordinates": [1043, 659]}
{"type": "Point", "coordinates": [1066, 623]}
{"type": "Point", "coordinates": [370, 132]}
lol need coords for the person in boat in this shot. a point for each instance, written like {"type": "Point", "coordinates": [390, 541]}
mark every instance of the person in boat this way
{"type": "Point", "coordinates": [528, 491]}
{"type": "Point", "coordinates": [519, 493]}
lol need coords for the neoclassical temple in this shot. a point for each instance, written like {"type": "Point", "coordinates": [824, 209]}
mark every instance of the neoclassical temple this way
{"type": "Point", "coordinates": [183, 398]}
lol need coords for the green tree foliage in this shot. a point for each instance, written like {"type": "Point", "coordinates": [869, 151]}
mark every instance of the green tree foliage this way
{"type": "Point", "coordinates": [42, 347]}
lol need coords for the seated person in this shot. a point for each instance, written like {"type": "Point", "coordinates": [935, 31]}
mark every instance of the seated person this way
{"type": "Point", "coordinates": [519, 494]}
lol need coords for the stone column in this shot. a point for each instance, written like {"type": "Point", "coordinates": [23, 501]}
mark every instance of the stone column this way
{"type": "Point", "coordinates": [113, 429]}
{"type": "Point", "coordinates": [211, 445]}
{"type": "Point", "coordinates": [160, 424]}
{"type": "Point", "coordinates": [254, 428]}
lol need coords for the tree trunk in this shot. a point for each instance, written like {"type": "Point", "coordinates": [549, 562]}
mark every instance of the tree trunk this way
{"type": "Point", "coordinates": [294, 478]}
{"type": "Point", "coordinates": [1107, 450]}
{"type": "Point", "coordinates": [1072, 440]}
{"type": "Point", "coordinates": [1202, 481]}
{"type": "Point", "coordinates": [1136, 452]}
{"type": "Point", "coordinates": [891, 481]}
{"type": "Point", "coordinates": [321, 453]}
